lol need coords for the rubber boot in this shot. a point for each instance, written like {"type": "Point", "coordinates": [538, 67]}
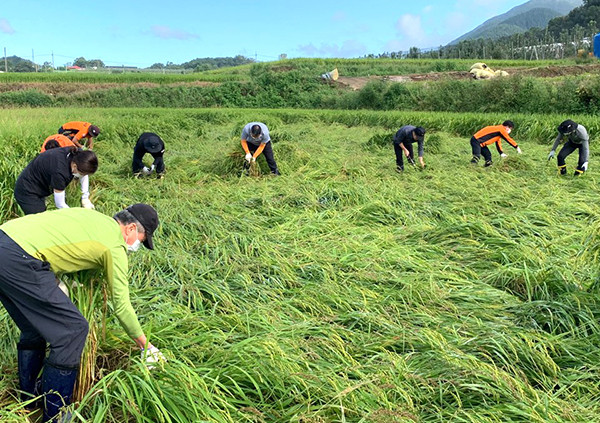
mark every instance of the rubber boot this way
{"type": "Point", "coordinates": [30, 363]}
{"type": "Point", "coordinates": [488, 163]}
{"type": "Point", "coordinates": [562, 170]}
{"type": "Point", "coordinates": [57, 385]}
{"type": "Point", "coordinates": [578, 172]}
{"type": "Point", "coordinates": [275, 172]}
{"type": "Point", "coordinates": [474, 160]}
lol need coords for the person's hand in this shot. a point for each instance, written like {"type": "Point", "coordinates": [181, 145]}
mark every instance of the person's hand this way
{"type": "Point", "coordinates": [151, 356]}
{"type": "Point", "coordinates": [248, 157]}
{"type": "Point", "coordinates": [407, 153]}
{"type": "Point", "coordinates": [422, 162]}
{"type": "Point", "coordinates": [87, 204]}
{"type": "Point", "coordinates": [551, 155]}
{"type": "Point", "coordinates": [503, 155]}
{"type": "Point", "coordinates": [253, 159]}
{"type": "Point", "coordinates": [146, 170]}
{"type": "Point", "coordinates": [519, 150]}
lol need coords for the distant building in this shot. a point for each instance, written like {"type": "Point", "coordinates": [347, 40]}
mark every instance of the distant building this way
{"type": "Point", "coordinates": [75, 68]}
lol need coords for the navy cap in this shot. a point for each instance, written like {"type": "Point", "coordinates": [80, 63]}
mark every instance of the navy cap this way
{"type": "Point", "coordinates": [148, 217]}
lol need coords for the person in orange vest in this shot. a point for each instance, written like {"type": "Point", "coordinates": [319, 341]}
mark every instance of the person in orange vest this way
{"type": "Point", "coordinates": [492, 135]}
{"type": "Point", "coordinates": [80, 132]}
{"type": "Point", "coordinates": [56, 141]}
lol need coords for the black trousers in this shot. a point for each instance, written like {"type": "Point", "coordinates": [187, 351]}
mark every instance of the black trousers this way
{"type": "Point", "coordinates": [138, 163]}
{"type": "Point", "coordinates": [42, 312]}
{"type": "Point", "coordinates": [268, 153]}
{"type": "Point", "coordinates": [479, 151]}
{"type": "Point", "coordinates": [400, 154]}
{"type": "Point", "coordinates": [29, 203]}
{"type": "Point", "coordinates": [567, 149]}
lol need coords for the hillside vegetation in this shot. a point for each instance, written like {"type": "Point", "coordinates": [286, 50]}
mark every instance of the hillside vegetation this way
{"type": "Point", "coordinates": [340, 291]}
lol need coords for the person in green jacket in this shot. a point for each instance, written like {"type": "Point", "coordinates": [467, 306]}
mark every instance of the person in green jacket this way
{"type": "Point", "coordinates": [36, 247]}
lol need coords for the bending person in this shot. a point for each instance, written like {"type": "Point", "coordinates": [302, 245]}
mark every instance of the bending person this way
{"type": "Point", "coordinates": [492, 135]}
{"type": "Point", "coordinates": [577, 139]}
{"type": "Point", "coordinates": [403, 141]}
{"type": "Point", "coordinates": [256, 140]}
{"type": "Point", "coordinates": [152, 144]}
{"type": "Point", "coordinates": [32, 249]}
{"type": "Point", "coordinates": [50, 173]}
{"type": "Point", "coordinates": [80, 132]}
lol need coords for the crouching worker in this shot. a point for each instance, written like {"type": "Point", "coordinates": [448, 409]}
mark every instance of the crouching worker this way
{"type": "Point", "coordinates": [36, 247]}
{"type": "Point", "coordinates": [56, 141]}
{"type": "Point", "coordinates": [51, 172]}
{"type": "Point", "coordinates": [403, 141]}
{"type": "Point", "coordinates": [492, 135]}
{"type": "Point", "coordinates": [577, 139]}
{"type": "Point", "coordinates": [256, 140]}
{"type": "Point", "coordinates": [80, 133]}
{"type": "Point", "coordinates": [152, 144]}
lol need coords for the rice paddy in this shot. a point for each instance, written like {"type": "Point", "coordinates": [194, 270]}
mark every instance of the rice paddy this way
{"type": "Point", "coordinates": [340, 291]}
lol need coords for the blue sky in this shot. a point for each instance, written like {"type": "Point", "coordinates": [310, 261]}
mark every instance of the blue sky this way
{"type": "Point", "coordinates": [140, 33]}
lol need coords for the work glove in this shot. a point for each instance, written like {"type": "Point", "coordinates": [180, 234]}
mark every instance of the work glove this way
{"type": "Point", "coordinates": [519, 150]}
{"type": "Point", "coordinates": [87, 204]}
{"type": "Point", "coordinates": [503, 155]}
{"type": "Point", "coordinates": [551, 155]}
{"type": "Point", "coordinates": [146, 170]}
{"type": "Point", "coordinates": [151, 356]}
{"type": "Point", "coordinates": [248, 157]}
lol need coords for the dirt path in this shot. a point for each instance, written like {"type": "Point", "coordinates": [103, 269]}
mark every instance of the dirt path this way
{"type": "Point", "coordinates": [358, 82]}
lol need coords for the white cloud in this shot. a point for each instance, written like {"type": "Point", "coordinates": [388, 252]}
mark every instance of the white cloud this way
{"type": "Point", "coordinates": [349, 48]}
{"type": "Point", "coordinates": [165, 32]}
{"type": "Point", "coordinates": [410, 28]}
{"type": "Point", "coordinates": [5, 27]}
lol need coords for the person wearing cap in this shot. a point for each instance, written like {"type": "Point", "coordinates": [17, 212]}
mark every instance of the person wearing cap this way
{"type": "Point", "coordinates": [152, 144]}
{"type": "Point", "coordinates": [50, 173]}
{"type": "Point", "coordinates": [577, 139]}
{"type": "Point", "coordinates": [80, 132]}
{"type": "Point", "coordinates": [256, 140]}
{"type": "Point", "coordinates": [33, 250]}
{"type": "Point", "coordinates": [492, 135]}
{"type": "Point", "coordinates": [403, 141]}
{"type": "Point", "coordinates": [56, 141]}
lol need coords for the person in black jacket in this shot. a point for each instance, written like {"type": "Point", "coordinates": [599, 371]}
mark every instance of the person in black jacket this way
{"type": "Point", "coordinates": [403, 141]}
{"type": "Point", "coordinates": [152, 144]}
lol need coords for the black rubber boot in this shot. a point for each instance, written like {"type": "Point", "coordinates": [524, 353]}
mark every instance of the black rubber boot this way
{"type": "Point", "coordinates": [30, 363]}
{"type": "Point", "coordinates": [562, 170]}
{"type": "Point", "coordinates": [488, 163]}
{"type": "Point", "coordinates": [57, 385]}
{"type": "Point", "coordinates": [474, 160]}
{"type": "Point", "coordinates": [275, 172]}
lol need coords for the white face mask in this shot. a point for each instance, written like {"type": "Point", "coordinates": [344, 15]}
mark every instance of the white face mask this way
{"type": "Point", "coordinates": [508, 131]}
{"type": "Point", "coordinates": [77, 175]}
{"type": "Point", "coordinates": [135, 246]}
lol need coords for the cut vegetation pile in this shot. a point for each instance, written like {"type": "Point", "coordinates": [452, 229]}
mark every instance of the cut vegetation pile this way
{"type": "Point", "coordinates": [340, 291]}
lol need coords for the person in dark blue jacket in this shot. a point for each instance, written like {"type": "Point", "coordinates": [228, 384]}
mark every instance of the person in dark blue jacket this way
{"type": "Point", "coordinates": [403, 141]}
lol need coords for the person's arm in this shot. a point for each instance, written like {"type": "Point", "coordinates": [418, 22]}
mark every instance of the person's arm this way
{"type": "Point", "coordinates": [556, 141]}
{"type": "Point", "coordinates": [406, 152]}
{"type": "Point", "coordinates": [59, 199]}
{"type": "Point", "coordinates": [421, 145]}
{"type": "Point", "coordinates": [259, 150]}
{"type": "Point", "coordinates": [499, 147]}
{"type": "Point", "coordinates": [90, 142]}
{"type": "Point", "coordinates": [245, 146]}
{"type": "Point", "coordinates": [116, 267]}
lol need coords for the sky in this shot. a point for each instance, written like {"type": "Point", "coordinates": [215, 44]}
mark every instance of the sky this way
{"type": "Point", "coordinates": [143, 32]}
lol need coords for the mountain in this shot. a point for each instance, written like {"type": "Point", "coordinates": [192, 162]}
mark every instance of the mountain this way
{"type": "Point", "coordinates": [533, 14]}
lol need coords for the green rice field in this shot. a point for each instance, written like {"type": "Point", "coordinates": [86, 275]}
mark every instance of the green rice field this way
{"type": "Point", "coordinates": [340, 291]}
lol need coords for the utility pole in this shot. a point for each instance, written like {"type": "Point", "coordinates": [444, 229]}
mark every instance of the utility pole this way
{"type": "Point", "coordinates": [33, 60]}
{"type": "Point", "coordinates": [52, 59]}
{"type": "Point", "coordinates": [5, 62]}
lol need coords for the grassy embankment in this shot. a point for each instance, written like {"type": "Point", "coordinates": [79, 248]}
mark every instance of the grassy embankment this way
{"type": "Point", "coordinates": [341, 291]}
{"type": "Point", "coordinates": [296, 84]}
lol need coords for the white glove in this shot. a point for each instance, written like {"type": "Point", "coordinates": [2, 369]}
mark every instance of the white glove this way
{"type": "Point", "coordinates": [146, 171]}
{"type": "Point", "coordinates": [503, 155]}
{"type": "Point", "coordinates": [519, 150]}
{"type": "Point", "coordinates": [551, 155]}
{"type": "Point", "coordinates": [253, 159]}
{"type": "Point", "coordinates": [248, 157]}
{"type": "Point", "coordinates": [87, 204]}
{"type": "Point", "coordinates": [151, 356]}
{"type": "Point", "coordinates": [63, 287]}
{"type": "Point", "coordinates": [152, 168]}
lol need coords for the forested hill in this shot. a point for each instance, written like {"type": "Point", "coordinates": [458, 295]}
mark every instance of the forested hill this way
{"type": "Point", "coordinates": [533, 14]}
